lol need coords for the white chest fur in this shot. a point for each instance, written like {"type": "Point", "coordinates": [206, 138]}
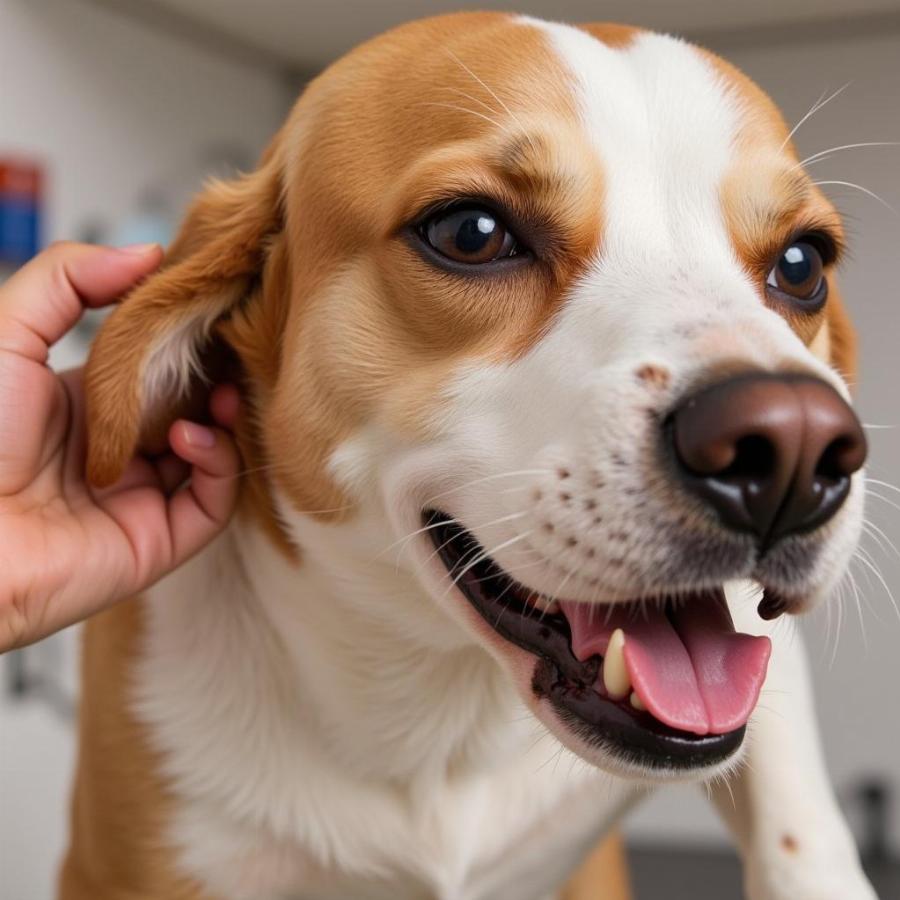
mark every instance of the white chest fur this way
{"type": "Point", "coordinates": [328, 734]}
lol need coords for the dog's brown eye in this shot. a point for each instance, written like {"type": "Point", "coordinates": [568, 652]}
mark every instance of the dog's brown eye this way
{"type": "Point", "coordinates": [800, 274]}
{"type": "Point", "coordinates": [469, 235]}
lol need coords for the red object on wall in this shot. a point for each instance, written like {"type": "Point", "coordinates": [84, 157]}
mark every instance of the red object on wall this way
{"type": "Point", "coordinates": [21, 195]}
{"type": "Point", "coordinates": [20, 177]}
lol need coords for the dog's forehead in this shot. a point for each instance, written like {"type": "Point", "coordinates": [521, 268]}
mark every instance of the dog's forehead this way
{"type": "Point", "coordinates": [661, 125]}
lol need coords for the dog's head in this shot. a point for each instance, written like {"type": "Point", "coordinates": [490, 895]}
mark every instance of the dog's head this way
{"type": "Point", "coordinates": [559, 304]}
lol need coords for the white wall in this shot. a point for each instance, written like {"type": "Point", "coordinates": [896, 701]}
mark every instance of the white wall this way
{"type": "Point", "coordinates": [857, 692]}
{"type": "Point", "coordinates": [109, 108]}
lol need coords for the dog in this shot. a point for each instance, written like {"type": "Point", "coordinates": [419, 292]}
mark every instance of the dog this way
{"type": "Point", "coordinates": [545, 426]}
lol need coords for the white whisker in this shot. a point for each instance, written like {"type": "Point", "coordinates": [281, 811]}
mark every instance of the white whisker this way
{"type": "Point", "coordinates": [886, 484]}
{"type": "Point", "coordinates": [823, 154]}
{"type": "Point", "coordinates": [858, 187]}
{"type": "Point", "coordinates": [511, 570]}
{"type": "Point", "coordinates": [486, 478]}
{"type": "Point", "coordinates": [880, 537]}
{"type": "Point", "coordinates": [505, 108]}
{"type": "Point", "coordinates": [876, 496]}
{"type": "Point", "coordinates": [485, 554]}
{"type": "Point", "coordinates": [411, 535]}
{"type": "Point", "coordinates": [862, 626]}
{"type": "Point", "coordinates": [465, 109]}
{"type": "Point", "coordinates": [812, 111]}
{"type": "Point", "coordinates": [862, 556]}
{"type": "Point", "coordinates": [477, 100]}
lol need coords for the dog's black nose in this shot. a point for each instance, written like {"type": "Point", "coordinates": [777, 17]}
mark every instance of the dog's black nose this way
{"type": "Point", "coordinates": [771, 454]}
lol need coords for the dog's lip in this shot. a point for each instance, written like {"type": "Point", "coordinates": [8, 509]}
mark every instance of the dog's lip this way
{"type": "Point", "coordinates": [631, 734]}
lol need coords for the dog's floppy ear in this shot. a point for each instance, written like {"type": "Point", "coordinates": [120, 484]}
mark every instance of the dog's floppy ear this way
{"type": "Point", "coordinates": [153, 351]}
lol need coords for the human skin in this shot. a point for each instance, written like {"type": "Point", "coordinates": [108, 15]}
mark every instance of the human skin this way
{"type": "Point", "coordinates": [68, 550]}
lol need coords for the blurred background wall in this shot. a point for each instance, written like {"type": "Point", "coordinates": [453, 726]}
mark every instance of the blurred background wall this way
{"type": "Point", "coordinates": [127, 104]}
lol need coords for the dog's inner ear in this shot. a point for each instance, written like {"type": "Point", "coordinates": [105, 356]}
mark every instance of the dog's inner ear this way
{"type": "Point", "coordinates": [159, 351]}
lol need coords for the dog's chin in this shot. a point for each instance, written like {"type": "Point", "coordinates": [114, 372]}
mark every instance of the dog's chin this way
{"type": "Point", "coordinates": [613, 730]}
{"type": "Point", "coordinates": [622, 755]}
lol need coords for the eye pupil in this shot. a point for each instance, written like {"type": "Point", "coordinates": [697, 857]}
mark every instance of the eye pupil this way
{"type": "Point", "coordinates": [796, 265]}
{"type": "Point", "coordinates": [475, 233]}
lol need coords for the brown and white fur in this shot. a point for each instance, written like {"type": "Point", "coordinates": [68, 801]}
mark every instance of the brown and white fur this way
{"type": "Point", "coordinates": [305, 710]}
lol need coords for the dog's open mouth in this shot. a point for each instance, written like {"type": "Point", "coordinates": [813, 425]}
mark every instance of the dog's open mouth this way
{"type": "Point", "coordinates": [659, 683]}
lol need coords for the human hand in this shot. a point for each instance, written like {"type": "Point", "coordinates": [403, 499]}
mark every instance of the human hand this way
{"type": "Point", "coordinates": [68, 550]}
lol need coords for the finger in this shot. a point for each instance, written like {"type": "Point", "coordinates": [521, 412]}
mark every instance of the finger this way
{"type": "Point", "coordinates": [173, 472]}
{"type": "Point", "coordinates": [46, 297]}
{"type": "Point", "coordinates": [201, 508]}
{"type": "Point", "coordinates": [224, 404]}
{"type": "Point", "coordinates": [163, 474]}
{"type": "Point", "coordinates": [139, 473]}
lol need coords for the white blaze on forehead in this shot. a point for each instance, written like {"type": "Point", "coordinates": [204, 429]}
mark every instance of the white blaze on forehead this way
{"type": "Point", "coordinates": [663, 124]}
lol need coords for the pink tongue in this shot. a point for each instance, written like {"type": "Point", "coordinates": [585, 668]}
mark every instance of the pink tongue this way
{"type": "Point", "coordinates": [693, 672]}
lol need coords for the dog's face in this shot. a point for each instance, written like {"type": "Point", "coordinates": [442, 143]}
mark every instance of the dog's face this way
{"type": "Point", "coordinates": [560, 302]}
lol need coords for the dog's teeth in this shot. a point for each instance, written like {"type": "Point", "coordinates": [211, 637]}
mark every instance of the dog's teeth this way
{"type": "Point", "coordinates": [546, 605]}
{"type": "Point", "coordinates": [615, 673]}
{"type": "Point", "coordinates": [637, 703]}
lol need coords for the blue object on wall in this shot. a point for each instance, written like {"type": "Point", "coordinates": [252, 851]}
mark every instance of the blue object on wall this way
{"type": "Point", "coordinates": [20, 211]}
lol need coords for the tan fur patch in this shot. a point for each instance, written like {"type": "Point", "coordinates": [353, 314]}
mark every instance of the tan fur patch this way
{"type": "Point", "coordinates": [615, 36]}
{"type": "Point", "coordinates": [603, 875]}
{"type": "Point", "coordinates": [767, 199]}
{"type": "Point", "coordinates": [119, 805]}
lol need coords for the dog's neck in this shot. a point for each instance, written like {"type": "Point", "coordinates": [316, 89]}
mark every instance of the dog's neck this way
{"type": "Point", "coordinates": [303, 703]}
{"type": "Point", "coordinates": [385, 677]}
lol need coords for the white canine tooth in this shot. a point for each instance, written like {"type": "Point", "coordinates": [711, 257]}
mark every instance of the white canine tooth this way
{"type": "Point", "coordinates": [545, 604]}
{"type": "Point", "coordinates": [637, 703]}
{"type": "Point", "coordinates": [615, 673]}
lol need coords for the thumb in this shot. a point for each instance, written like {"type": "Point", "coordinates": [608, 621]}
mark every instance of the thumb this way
{"type": "Point", "coordinates": [47, 296]}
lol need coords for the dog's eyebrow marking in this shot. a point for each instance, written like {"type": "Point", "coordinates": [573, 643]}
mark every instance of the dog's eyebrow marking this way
{"type": "Point", "coordinates": [794, 193]}
{"type": "Point", "coordinates": [763, 208]}
{"type": "Point", "coordinates": [528, 159]}
{"type": "Point", "coordinates": [797, 194]}
{"type": "Point", "coordinates": [519, 152]}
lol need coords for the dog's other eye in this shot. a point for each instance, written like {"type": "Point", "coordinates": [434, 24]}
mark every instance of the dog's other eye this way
{"type": "Point", "coordinates": [469, 235]}
{"type": "Point", "coordinates": [800, 274]}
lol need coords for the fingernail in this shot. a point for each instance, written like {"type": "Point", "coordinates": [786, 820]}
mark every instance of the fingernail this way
{"type": "Point", "coordinates": [138, 249]}
{"type": "Point", "coordinates": [199, 435]}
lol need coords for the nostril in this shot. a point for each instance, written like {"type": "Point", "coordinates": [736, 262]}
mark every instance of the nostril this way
{"type": "Point", "coordinates": [752, 456]}
{"type": "Point", "coordinates": [755, 457]}
{"type": "Point", "coordinates": [830, 464]}
{"type": "Point", "coordinates": [840, 459]}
